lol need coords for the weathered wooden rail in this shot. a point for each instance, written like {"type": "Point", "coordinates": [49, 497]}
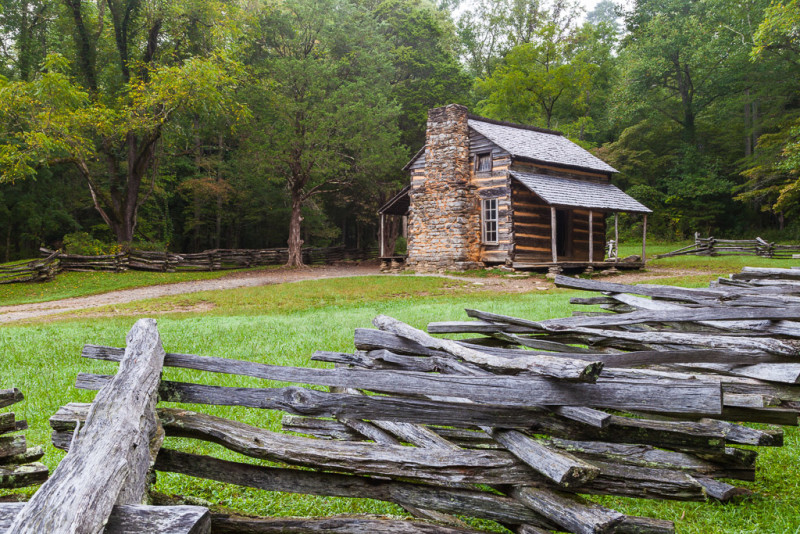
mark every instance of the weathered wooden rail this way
{"type": "Point", "coordinates": [18, 462]}
{"type": "Point", "coordinates": [712, 246]}
{"type": "Point", "coordinates": [643, 399]}
{"type": "Point", "coordinates": [209, 260]}
{"type": "Point", "coordinates": [30, 271]}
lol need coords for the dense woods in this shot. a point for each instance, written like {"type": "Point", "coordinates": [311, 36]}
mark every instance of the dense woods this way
{"type": "Point", "coordinates": [213, 123]}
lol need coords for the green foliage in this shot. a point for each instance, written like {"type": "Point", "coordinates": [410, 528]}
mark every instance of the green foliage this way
{"type": "Point", "coordinates": [84, 244]}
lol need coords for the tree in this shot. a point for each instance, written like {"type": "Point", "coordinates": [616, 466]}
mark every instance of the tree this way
{"type": "Point", "coordinates": [678, 60]}
{"type": "Point", "coordinates": [773, 171]}
{"type": "Point", "coordinates": [553, 79]}
{"type": "Point", "coordinates": [108, 120]}
{"type": "Point", "coordinates": [426, 72]}
{"type": "Point", "coordinates": [329, 121]}
{"type": "Point", "coordinates": [491, 28]}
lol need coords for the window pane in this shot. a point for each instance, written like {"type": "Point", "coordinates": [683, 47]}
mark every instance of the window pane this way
{"type": "Point", "coordinates": [484, 162]}
{"type": "Point", "coordinates": [490, 220]}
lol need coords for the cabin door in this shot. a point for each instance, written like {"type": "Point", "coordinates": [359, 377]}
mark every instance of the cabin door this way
{"type": "Point", "coordinates": [562, 232]}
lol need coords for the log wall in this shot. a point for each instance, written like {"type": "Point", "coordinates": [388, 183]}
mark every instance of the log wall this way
{"type": "Point", "coordinates": [493, 184]}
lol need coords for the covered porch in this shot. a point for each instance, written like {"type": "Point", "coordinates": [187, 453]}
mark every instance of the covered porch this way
{"type": "Point", "coordinates": [561, 223]}
{"type": "Point", "coordinates": [393, 224]}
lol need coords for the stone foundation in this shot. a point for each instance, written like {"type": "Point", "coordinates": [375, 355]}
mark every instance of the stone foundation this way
{"type": "Point", "coordinates": [444, 215]}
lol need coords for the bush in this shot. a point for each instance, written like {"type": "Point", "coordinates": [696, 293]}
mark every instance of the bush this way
{"type": "Point", "coordinates": [84, 244]}
{"type": "Point", "coordinates": [400, 246]}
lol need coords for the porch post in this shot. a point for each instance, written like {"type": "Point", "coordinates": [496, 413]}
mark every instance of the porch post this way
{"type": "Point", "coordinates": [591, 236]}
{"type": "Point", "coordinates": [644, 239]}
{"type": "Point", "coordinates": [553, 234]}
{"type": "Point", "coordinates": [383, 251]}
{"type": "Point", "coordinates": [616, 236]}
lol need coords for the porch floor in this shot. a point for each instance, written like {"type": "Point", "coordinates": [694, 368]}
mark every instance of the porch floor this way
{"type": "Point", "coordinates": [598, 265]}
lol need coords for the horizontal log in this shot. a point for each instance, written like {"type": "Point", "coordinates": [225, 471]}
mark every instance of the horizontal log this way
{"type": "Point", "coordinates": [686, 394]}
{"type": "Point", "coordinates": [353, 525]}
{"type": "Point", "coordinates": [30, 455]}
{"type": "Point", "coordinates": [467, 502]}
{"type": "Point", "coordinates": [11, 446]}
{"type": "Point", "coordinates": [10, 396]}
{"type": "Point", "coordinates": [19, 476]}
{"type": "Point", "coordinates": [126, 519]}
{"type": "Point", "coordinates": [487, 467]}
{"type": "Point", "coordinates": [302, 401]}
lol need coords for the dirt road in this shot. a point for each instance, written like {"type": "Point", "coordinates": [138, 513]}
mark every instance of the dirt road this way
{"type": "Point", "coordinates": [522, 283]}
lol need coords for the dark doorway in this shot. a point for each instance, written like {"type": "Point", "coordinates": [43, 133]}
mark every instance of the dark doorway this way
{"type": "Point", "coordinates": [562, 232]}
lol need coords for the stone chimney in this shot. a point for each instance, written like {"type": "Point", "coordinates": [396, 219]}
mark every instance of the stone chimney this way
{"type": "Point", "coordinates": [444, 216]}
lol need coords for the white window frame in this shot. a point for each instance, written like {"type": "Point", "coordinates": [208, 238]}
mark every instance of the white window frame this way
{"type": "Point", "coordinates": [487, 156]}
{"type": "Point", "coordinates": [490, 220]}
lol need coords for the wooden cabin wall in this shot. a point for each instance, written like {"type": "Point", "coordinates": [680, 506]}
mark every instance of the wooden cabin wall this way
{"type": "Point", "coordinates": [580, 235]}
{"type": "Point", "coordinates": [531, 225]}
{"type": "Point", "coordinates": [540, 168]}
{"type": "Point", "coordinates": [493, 184]}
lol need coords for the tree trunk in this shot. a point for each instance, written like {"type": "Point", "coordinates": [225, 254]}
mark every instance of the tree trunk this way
{"type": "Point", "coordinates": [295, 241]}
{"type": "Point", "coordinates": [7, 255]}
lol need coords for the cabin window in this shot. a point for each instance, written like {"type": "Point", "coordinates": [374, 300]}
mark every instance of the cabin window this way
{"type": "Point", "coordinates": [490, 220]}
{"type": "Point", "coordinates": [483, 162]}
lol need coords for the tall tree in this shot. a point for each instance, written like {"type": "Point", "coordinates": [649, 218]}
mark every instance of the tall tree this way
{"type": "Point", "coordinates": [329, 121]}
{"type": "Point", "coordinates": [108, 118]}
{"type": "Point", "coordinates": [489, 29]}
{"type": "Point", "coordinates": [678, 61]}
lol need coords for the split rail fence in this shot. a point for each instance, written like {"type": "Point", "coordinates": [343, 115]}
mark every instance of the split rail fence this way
{"type": "Point", "coordinates": [711, 246]}
{"type": "Point", "coordinates": [18, 462]}
{"type": "Point", "coordinates": [643, 399]}
{"type": "Point", "coordinates": [54, 261]}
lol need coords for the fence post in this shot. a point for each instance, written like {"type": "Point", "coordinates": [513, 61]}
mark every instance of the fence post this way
{"type": "Point", "coordinates": [110, 458]}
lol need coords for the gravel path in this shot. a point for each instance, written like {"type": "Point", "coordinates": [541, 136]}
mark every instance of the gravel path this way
{"type": "Point", "coordinates": [20, 312]}
{"type": "Point", "coordinates": [245, 279]}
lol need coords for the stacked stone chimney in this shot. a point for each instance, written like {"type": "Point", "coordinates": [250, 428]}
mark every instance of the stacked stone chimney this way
{"type": "Point", "coordinates": [444, 216]}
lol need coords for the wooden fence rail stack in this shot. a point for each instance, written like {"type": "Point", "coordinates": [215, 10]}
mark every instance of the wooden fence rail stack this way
{"type": "Point", "coordinates": [31, 271]}
{"type": "Point", "coordinates": [209, 260]}
{"type": "Point", "coordinates": [711, 246]}
{"type": "Point", "coordinates": [643, 399]}
{"type": "Point", "coordinates": [18, 462]}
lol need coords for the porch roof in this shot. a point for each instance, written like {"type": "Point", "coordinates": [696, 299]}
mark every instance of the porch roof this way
{"type": "Point", "coordinates": [568, 192]}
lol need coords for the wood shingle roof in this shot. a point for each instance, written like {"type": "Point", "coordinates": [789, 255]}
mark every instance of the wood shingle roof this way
{"type": "Point", "coordinates": [568, 192]}
{"type": "Point", "coordinates": [538, 145]}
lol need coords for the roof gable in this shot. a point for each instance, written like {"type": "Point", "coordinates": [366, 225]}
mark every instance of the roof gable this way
{"type": "Point", "coordinates": [545, 146]}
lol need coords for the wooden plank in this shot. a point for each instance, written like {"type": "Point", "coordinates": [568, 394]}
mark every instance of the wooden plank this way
{"type": "Point", "coordinates": [559, 466]}
{"type": "Point", "coordinates": [351, 525]}
{"type": "Point", "coordinates": [11, 446]}
{"type": "Point", "coordinates": [19, 476]}
{"type": "Point", "coordinates": [112, 455]}
{"type": "Point", "coordinates": [537, 363]}
{"type": "Point", "coordinates": [687, 393]}
{"type": "Point", "coordinates": [130, 519]}
{"type": "Point", "coordinates": [553, 247]}
{"type": "Point", "coordinates": [9, 397]}
{"type": "Point", "coordinates": [468, 502]}
{"type": "Point", "coordinates": [461, 466]}
{"type": "Point", "coordinates": [569, 512]}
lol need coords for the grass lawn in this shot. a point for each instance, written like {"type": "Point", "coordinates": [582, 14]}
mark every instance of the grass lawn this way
{"type": "Point", "coordinates": [70, 284]}
{"type": "Point", "coordinates": [284, 325]}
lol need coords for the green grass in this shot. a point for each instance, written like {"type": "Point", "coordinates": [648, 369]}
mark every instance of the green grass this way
{"type": "Point", "coordinates": [66, 285]}
{"type": "Point", "coordinates": [722, 264]}
{"type": "Point", "coordinates": [285, 324]}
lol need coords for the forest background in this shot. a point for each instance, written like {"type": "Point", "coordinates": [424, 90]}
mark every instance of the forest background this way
{"type": "Point", "coordinates": [195, 124]}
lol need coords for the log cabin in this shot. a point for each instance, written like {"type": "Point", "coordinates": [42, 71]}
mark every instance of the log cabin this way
{"type": "Point", "coordinates": [486, 192]}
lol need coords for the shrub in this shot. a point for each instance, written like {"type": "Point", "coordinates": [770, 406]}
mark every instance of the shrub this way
{"type": "Point", "coordinates": [84, 244]}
